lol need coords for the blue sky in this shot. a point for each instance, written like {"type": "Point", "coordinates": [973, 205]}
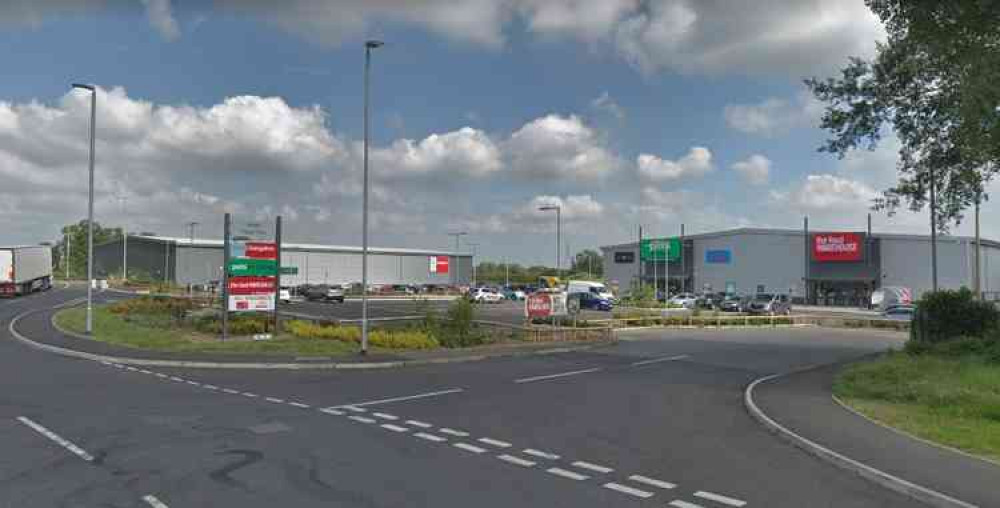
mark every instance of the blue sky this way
{"type": "Point", "coordinates": [661, 112]}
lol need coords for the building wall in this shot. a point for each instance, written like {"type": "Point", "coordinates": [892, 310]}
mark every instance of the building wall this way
{"type": "Point", "coordinates": [144, 257]}
{"type": "Point", "coordinates": [622, 274]}
{"type": "Point", "coordinates": [197, 265]}
{"type": "Point", "coordinates": [775, 261]}
{"type": "Point", "coordinates": [990, 257]}
{"type": "Point", "coordinates": [906, 262]}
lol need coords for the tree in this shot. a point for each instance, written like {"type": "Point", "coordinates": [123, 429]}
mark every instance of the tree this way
{"type": "Point", "coordinates": [588, 262]}
{"type": "Point", "coordinates": [934, 81]}
{"type": "Point", "coordinates": [77, 236]}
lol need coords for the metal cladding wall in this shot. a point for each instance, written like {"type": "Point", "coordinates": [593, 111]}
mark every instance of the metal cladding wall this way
{"type": "Point", "coordinates": [145, 256]}
{"type": "Point", "coordinates": [907, 262]}
{"type": "Point", "coordinates": [774, 260]}
{"type": "Point", "coordinates": [622, 274]}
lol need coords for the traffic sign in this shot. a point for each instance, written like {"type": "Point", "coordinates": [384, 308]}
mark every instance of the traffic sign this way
{"type": "Point", "coordinates": [252, 267]}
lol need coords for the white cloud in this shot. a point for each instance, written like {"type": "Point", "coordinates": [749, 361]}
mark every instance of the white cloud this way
{"type": "Point", "coordinates": [162, 19]}
{"type": "Point", "coordinates": [466, 151]}
{"type": "Point", "coordinates": [585, 19]}
{"type": "Point", "coordinates": [557, 146]}
{"type": "Point", "coordinates": [697, 162]}
{"type": "Point", "coordinates": [827, 193]}
{"type": "Point", "coordinates": [606, 104]}
{"type": "Point", "coordinates": [756, 169]}
{"type": "Point", "coordinates": [773, 115]}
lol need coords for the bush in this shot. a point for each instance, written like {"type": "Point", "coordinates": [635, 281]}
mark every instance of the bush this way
{"type": "Point", "coordinates": [945, 315]}
{"type": "Point", "coordinates": [238, 325]}
{"type": "Point", "coordinates": [457, 330]}
{"type": "Point", "coordinates": [389, 339]}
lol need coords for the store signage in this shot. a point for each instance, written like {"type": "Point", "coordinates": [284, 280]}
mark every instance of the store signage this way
{"type": "Point", "coordinates": [289, 270]}
{"type": "Point", "coordinates": [251, 303]}
{"type": "Point", "coordinates": [438, 264]}
{"type": "Point", "coordinates": [719, 256]}
{"type": "Point", "coordinates": [252, 267]}
{"type": "Point", "coordinates": [837, 247]}
{"type": "Point", "coordinates": [261, 250]}
{"type": "Point", "coordinates": [624, 257]}
{"type": "Point", "coordinates": [660, 249]}
{"type": "Point", "coordinates": [543, 305]}
{"type": "Point", "coordinates": [251, 285]}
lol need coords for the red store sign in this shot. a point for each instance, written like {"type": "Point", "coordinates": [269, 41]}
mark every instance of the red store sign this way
{"type": "Point", "coordinates": [261, 250]}
{"type": "Point", "coordinates": [837, 247]}
{"type": "Point", "coordinates": [251, 285]}
{"type": "Point", "coordinates": [538, 305]}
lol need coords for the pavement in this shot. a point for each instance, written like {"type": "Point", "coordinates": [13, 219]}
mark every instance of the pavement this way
{"type": "Point", "coordinates": [656, 420]}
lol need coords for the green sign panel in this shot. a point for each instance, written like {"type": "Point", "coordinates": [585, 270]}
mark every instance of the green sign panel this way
{"type": "Point", "coordinates": [289, 270]}
{"type": "Point", "coordinates": [252, 267]}
{"type": "Point", "coordinates": [660, 249]}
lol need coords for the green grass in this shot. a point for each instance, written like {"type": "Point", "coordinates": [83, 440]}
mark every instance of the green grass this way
{"type": "Point", "coordinates": [113, 329]}
{"type": "Point", "coordinates": [952, 401]}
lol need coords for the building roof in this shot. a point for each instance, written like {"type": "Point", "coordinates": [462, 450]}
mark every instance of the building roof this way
{"type": "Point", "coordinates": [212, 243]}
{"type": "Point", "coordinates": [798, 232]}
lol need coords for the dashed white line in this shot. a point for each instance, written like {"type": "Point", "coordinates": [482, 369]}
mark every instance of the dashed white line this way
{"type": "Point", "coordinates": [593, 467]}
{"type": "Point", "coordinates": [684, 504]}
{"type": "Point", "coordinates": [331, 411]}
{"type": "Point", "coordinates": [430, 437]}
{"type": "Point", "coordinates": [106, 362]}
{"type": "Point", "coordinates": [453, 432]}
{"type": "Point", "coordinates": [555, 376]}
{"type": "Point", "coordinates": [354, 408]}
{"type": "Point", "coordinates": [299, 404]}
{"type": "Point", "coordinates": [516, 460]}
{"type": "Point", "coordinates": [652, 481]}
{"type": "Point", "coordinates": [275, 400]}
{"type": "Point", "coordinates": [175, 378]}
{"type": "Point", "coordinates": [76, 450]}
{"type": "Point", "coordinates": [405, 397]}
{"type": "Point", "coordinates": [567, 474]}
{"type": "Point", "coordinates": [230, 390]}
{"type": "Point", "coordinates": [394, 428]}
{"type": "Point", "coordinates": [418, 423]}
{"type": "Point", "coordinates": [541, 454]}
{"type": "Point", "coordinates": [624, 489]}
{"type": "Point", "coordinates": [155, 503]}
{"type": "Point", "coordinates": [161, 375]}
{"type": "Point", "coordinates": [145, 371]}
{"type": "Point", "coordinates": [119, 366]}
{"type": "Point", "coordinates": [248, 394]}
{"type": "Point", "coordinates": [658, 360]}
{"type": "Point", "coordinates": [193, 383]}
{"type": "Point", "coordinates": [386, 416]}
{"type": "Point", "coordinates": [719, 498]}
{"type": "Point", "coordinates": [210, 387]}
{"type": "Point", "coordinates": [133, 369]}
{"type": "Point", "coordinates": [494, 442]}
{"type": "Point", "coordinates": [469, 448]}
{"type": "Point", "coordinates": [362, 419]}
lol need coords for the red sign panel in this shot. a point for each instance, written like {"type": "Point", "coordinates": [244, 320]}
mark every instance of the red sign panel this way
{"type": "Point", "coordinates": [261, 250]}
{"type": "Point", "coordinates": [251, 285]}
{"type": "Point", "coordinates": [538, 305]}
{"type": "Point", "coordinates": [439, 264]}
{"type": "Point", "coordinates": [837, 247]}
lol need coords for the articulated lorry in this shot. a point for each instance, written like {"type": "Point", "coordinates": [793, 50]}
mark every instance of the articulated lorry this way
{"type": "Point", "coordinates": [25, 269]}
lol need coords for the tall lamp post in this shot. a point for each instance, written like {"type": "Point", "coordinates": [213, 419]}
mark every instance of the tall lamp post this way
{"type": "Point", "coordinates": [369, 46]}
{"type": "Point", "coordinates": [558, 210]}
{"type": "Point", "coordinates": [90, 208]}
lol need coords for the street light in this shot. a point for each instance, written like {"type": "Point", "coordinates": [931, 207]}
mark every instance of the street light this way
{"type": "Point", "coordinates": [369, 46]}
{"type": "Point", "coordinates": [558, 210]}
{"type": "Point", "coordinates": [90, 208]}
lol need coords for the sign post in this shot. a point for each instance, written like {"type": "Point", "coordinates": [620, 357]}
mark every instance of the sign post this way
{"type": "Point", "coordinates": [277, 273]}
{"type": "Point", "coordinates": [226, 235]}
{"type": "Point", "coordinates": [252, 272]}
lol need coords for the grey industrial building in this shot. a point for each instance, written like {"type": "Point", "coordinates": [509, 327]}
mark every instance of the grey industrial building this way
{"type": "Point", "coordinates": [182, 261]}
{"type": "Point", "coordinates": [749, 260]}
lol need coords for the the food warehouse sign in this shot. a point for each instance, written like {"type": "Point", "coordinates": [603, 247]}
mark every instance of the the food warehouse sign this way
{"type": "Point", "coordinates": [837, 247]}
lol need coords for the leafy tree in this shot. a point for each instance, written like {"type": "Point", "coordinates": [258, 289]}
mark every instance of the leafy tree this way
{"type": "Point", "coordinates": [588, 262]}
{"type": "Point", "coordinates": [77, 236]}
{"type": "Point", "coordinates": [934, 81]}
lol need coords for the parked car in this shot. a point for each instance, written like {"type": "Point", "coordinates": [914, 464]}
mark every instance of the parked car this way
{"type": "Point", "coordinates": [326, 293]}
{"type": "Point", "coordinates": [285, 296]}
{"type": "Point", "coordinates": [593, 301]}
{"type": "Point", "coordinates": [484, 295]}
{"type": "Point", "coordinates": [513, 294]}
{"type": "Point", "coordinates": [710, 300]}
{"type": "Point", "coordinates": [771, 304]}
{"type": "Point", "coordinates": [686, 300]}
{"type": "Point", "coordinates": [902, 312]}
{"type": "Point", "coordinates": [734, 303]}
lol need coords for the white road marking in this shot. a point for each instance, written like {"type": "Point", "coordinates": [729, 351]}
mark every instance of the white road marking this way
{"type": "Point", "coordinates": [193, 383]}
{"type": "Point", "coordinates": [133, 369]}
{"type": "Point", "coordinates": [119, 366]}
{"type": "Point", "coordinates": [539, 453]}
{"type": "Point", "coordinates": [210, 387]}
{"type": "Point", "coordinates": [624, 489]}
{"type": "Point", "coordinates": [106, 362]}
{"type": "Point", "coordinates": [652, 481]}
{"type": "Point", "coordinates": [354, 408]}
{"type": "Point", "coordinates": [248, 394]}
{"type": "Point", "coordinates": [399, 399]}
{"type": "Point", "coordinates": [418, 423]}
{"type": "Point", "coordinates": [453, 432]}
{"type": "Point", "coordinates": [555, 376]}
{"type": "Point", "coordinates": [299, 404]}
{"type": "Point", "coordinates": [57, 439]}
{"type": "Point", "coordinates": [430, 437]}
{"type": "Point", "coordinates": [593, 467]}
{"type": "Point", "coordinates": [719, 499]}
{"type": "Point", "coordinates": [152, 501]}
{"type": "Point", "coordinates": [159, 374]}
{"type": "Point", "coordinates": [175, 378]}
{"type": "Point", "coordinates": [331, 411]}
{"type": "Point", "coordinates": [566, 474]}
{"type": "Point", "coordinates": [516, 460]}
{"type": "Point", "coordinates": [275, 400]}
{"type": "Point", "coordinates": [230, 390]}
{"type": "Point", "coordinates": [386, 416]}
{"type": "Point", "coordinates": [658, 360]}
{"type": "Point", "coordinates": [394, 428]}
{"type": "Point", "coordinates": [494, 442]}
{"type": "Point", "coordinates": [362, 419]}
{"type": "Point", "coordinates": [684, 504]}
{"type": "Point", "coordinates": [470, 448]}
{"type": "Point", "coordinates": [145, 371]}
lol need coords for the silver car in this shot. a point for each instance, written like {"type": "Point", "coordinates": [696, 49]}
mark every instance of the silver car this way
{"type": "Point", "coordinates": [770, 304]}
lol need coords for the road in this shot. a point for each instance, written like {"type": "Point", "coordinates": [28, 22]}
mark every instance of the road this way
{"type": "Point", "coordinates": [656, 420]}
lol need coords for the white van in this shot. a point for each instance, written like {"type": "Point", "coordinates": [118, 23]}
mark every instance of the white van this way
{"type": "Point", "coordinates": [584, 286]}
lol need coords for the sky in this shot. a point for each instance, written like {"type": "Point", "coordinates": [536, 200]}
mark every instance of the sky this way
{"type": "Point", "coordinates": [622, 112]}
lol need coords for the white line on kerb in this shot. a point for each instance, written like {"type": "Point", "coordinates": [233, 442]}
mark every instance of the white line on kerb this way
{"type": "Point", "coordinates": [145, 371]}
{"type": "Point", "coordinates": [494, 442]}
{"type": "Point", "coordinates": [210, 387]}
{"type": "Point", "coordinates": [658, 360]}
{"type": "Point", "coordinates": [684, 504]}
{"type": "Point", "coordinates": [719, 499]}
{"type": "Point", "coordinates": [567, 474]}
{"type": "Point", "coordinates": [469, 448]}
{"type": "Point", "coordinates": [175, 378]}
{"type": "Point", "coordinates": [353, 408]}
{"type": "Point", "coordinates": [418, 423]}
{"type": "Point", "coordinates": [386, 416]}
{"type": "Point", "coordinates": [593, 467]}
{"type": "Point", "coordinates": [193, 383]}
{"type": "Point", "coordinates": [627, 490]}
{"type": "Point", "coordinates": [275, 400]}
{"type": "Point", "coordinates": [394, 428]}
{"type": "Point", "coordinates": [362, 419]}
{"type": "Point", "coordinates": [652, 481]}
{"type": "Point", "coordinates": [539, 453]}
{"type": "Point", "coordinates": [516, 460]}
{"type": "Point", "coordinates": [430, 437]}
{"type": "Point", "coordinates": [159, 374]}
{"type": "Point", "coordinates": [398, 399]}
{"type": "Point", "coordinates": [152, 501]}
{"type": "Point", "coordinates": [554, 376]}
{"type": "Point", "coordinates": [57, 439]}
{"type": "Point", "coordinates": [299, 404]}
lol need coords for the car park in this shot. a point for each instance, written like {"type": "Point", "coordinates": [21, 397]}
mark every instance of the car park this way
{"type": "Point", "coordinates": [771, 304]}
{"type": "Point", "coordinates": [326, 293]}
{"type": "Point", "coordinates": [485, 295]}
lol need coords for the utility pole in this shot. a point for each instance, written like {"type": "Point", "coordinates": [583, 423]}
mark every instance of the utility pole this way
{"type": "Point", "coordinates": [66, 251]}
{"type": "Point", "coordinates": [977, 282]}
{"type": "Point", "coordinates": [122, 200]}
{"type": "Point", "coordinates": [558, 210]}
{"type": "Point", "coordinates": [934, 266]}
{"type": "Point", "coordinates": [473, 246]}
{"type": "Point", "coordinates": [191, 226]}
{"type": "Point", "coordinates": [369, 46]}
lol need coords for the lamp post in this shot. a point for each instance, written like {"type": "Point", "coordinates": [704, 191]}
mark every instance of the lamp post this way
{"type": "Point", "coordinates": [90, 208]}
{"type": "Point", "coordinates": [558, 210]}
{"type": "Point", "coordinates": [369, 46]}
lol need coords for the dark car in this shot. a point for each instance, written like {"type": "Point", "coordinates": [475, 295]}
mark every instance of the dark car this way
{"type": "Point", "coordinates": [901, 312]}
{"type": "Point", "coordinates": [326, 293]}
{"type": "Point", "coordinates": [593, 301]}
{"type": "Point", "coordinates": [771, 304]}
{"type": "Point", "coordinates": [710, 300]}
{"type": "Point", "coordinates": [734, 303]}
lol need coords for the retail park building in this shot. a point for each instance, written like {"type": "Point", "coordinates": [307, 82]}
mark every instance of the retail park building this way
{"type": "Point", "coordinates": [183, 261]}
{"type": "Point", "coordinates": [831, 268]}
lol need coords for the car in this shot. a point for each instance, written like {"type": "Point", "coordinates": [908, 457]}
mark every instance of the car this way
{"type": "Point", "coordinates": [734, 303]}
{"type": "Point", "coordinates": [285, 296]}
{"type": "Point", "coordinates": [686, 300]}
{"type": "Point", "coordinates": [901, 312]}
{"type": "Point", "coordinates": [326, 293]}
{"type": "Point", "coordinates": [710, 300]}
{"type": "Point", "coordinates": [513, 294]}
{"type": "Point", "coordinates": [593, 301]}
{"type": "Point", "coordinates": [484, 295]}
{"type": "Point", "coordinates": [770, 304]}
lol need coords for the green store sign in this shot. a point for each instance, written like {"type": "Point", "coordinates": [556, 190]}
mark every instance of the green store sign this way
{"type": "Point", "coordinates": [660, 249]}
{"type": "Point", "coordinates": [252, 267]}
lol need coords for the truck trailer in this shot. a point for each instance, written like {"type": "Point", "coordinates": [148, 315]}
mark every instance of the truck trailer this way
{"type": "Point", "coordinates": [25, 269]}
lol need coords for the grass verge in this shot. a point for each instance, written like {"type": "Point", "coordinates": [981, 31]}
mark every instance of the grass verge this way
{"type": "Point", "coordinates": [952, 401]}
{"type": "Point", "coordinates": [111, 328]}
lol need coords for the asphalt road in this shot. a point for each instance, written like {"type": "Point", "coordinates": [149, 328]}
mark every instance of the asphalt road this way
{"type": "Point", "coordinates": [504, 312]}
{"type": "Point", "coordinates": [655, 421]}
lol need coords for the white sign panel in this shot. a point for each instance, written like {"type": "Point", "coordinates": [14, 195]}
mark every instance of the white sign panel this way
{"type": "Point", "coordinates": [251, 303]}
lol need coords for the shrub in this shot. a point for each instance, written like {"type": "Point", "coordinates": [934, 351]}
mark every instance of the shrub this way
{"type": "Point", "coordinates": [389, 339]}
{"type": "Point", "coordinates": [945, 315]}
{"type": "Point", "coordinates": [456, 331]}
{"type": "Point", "coordinates": [238, 324]}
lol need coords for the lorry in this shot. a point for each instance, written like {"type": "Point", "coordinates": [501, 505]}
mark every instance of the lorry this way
{"type": "Point", "coordinates": [25, 269]}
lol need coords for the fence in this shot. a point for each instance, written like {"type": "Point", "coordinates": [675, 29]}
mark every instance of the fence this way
{"type": "Point", "coordinates": [747, 321]}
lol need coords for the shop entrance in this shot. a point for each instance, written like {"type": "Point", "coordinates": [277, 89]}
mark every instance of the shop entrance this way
{"type": "Point", "coordinates": [841, 293]}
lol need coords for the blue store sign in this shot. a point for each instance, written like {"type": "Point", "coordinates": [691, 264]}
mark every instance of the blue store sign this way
{"type": "Point", "coordinates": [719, 256]}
